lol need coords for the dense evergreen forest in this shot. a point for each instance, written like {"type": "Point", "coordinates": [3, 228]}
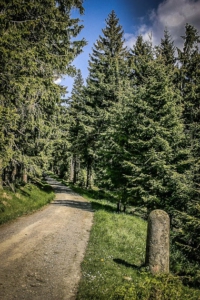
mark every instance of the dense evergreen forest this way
{"type": "Point", "coordinates": [133, 129]}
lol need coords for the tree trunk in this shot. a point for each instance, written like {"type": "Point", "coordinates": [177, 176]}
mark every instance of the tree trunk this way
{"type": "Point", "coordinates": [1, 174]}
{"type": "Point", "coordinates": [75, 170]}
{"type": "Point", "coordinates": [6, 175]}
{"type": "Point", "coordinates": [72, 169]}
{"type": "Point", "coordinates": [24, 176]}
{"type": "Point", "coordinates": [89, 174]}
{"type": "Point", "coordinates": [14, 173]}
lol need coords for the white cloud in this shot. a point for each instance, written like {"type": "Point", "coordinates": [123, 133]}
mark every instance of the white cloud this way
{"type": "Point", "coordinates": [170, 14]}
{"type": "Point", "coordinates": [58, 81]}
{"type": "Point", "coordinates": [130, 39]}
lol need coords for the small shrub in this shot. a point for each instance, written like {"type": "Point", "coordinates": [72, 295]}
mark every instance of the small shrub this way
{"type": "Point", "coordinates": [162, 287]}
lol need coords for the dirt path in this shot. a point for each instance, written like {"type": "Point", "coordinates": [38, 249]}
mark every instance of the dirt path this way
{"type": "Point", "coordinates": [40, 254]}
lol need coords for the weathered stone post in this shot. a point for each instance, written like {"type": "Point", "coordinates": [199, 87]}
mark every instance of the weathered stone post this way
{"type": "Point", "coordinates": [157, 247]}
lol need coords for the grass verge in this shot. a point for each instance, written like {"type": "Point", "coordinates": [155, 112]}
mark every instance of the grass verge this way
{"type": "Point", "coordinates": [113, 267]}
{"type": "Point", "coordinates": [26, 199]}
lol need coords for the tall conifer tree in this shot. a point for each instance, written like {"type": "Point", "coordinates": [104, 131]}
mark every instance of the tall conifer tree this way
{"type": "Point", "coordinates": [106, 81]}
{"type": "Point", "coordinates": [167, 49]}
{"type": "Point", "coordinates": [139, 56]}
{"type": "Point", "coordinates": [76, 111]}
{"type": "Point", "coordinates": [149, 141]}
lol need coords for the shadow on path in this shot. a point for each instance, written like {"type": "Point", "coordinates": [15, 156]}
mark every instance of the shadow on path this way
{"type": "Point", "coordinates": [74, 204]}
{"type": "Point", "coordinates": [59, 188]}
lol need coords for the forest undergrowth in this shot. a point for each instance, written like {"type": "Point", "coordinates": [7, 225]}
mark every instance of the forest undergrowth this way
{"type": "Point", "coordinates": [23, 200]}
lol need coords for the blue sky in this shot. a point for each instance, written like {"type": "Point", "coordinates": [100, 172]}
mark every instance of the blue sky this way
{"type": "Point", "coordinates": [146, 17]}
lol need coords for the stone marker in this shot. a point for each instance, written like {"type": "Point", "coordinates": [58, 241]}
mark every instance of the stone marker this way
{"type": "Point", "coordinates": [157, 247]}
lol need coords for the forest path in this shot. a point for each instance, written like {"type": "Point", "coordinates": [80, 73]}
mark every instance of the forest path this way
{"type": "Point", "coordinates": [40, 254]}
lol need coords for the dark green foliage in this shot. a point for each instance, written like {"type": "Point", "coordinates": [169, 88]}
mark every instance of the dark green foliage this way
{"type": "Point", "coordinates": [190, 88]}
{"type": "Point", "coordinates": [140, 55]}
{"type": "Point", "coordinates": [167, 49]}
{"type": "Point", "coordinates": [106, 84]}
{"type": "Point", "coordinates": [107, 64]}
{"type": "Point", "coordinates": [107, 70]}
{"type": "Point", "coordinates": [36, 48]}
{"type": "Point", "coordinates": [146, 141]}
{"type": "Point", "coordinates": [188, 237]}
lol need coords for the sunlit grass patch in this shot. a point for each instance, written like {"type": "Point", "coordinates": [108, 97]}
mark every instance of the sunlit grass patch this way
{"type": "Point", "coordinates": [26, 198]}
{"type": "Point", "coordinates": [115, 253]}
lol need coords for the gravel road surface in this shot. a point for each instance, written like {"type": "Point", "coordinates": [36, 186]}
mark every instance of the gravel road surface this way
{"type": "Point", "coordinates": [40, 254]}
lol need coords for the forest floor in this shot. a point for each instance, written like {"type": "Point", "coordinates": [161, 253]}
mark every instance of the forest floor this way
{"type": "Point", "coordinates": [41, 254]}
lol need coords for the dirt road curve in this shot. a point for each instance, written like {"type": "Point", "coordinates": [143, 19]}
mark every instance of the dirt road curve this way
{"type": "Point", "coordinates": [40, 254]}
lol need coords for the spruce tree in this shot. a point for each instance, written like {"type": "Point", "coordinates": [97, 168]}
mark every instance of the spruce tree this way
{"type": "Point", "coordinates": [106, 82]}
{"type": "Point", "coordinates": [139, 56]}
{"type": "Point", "coordinates": [150, 142]}
{"type": "Point", "coordinates": [167, 49]}
{"type": "Point", "coordinates": [115, 137]}
{"type": "Point", "coordinates": [76, 111]}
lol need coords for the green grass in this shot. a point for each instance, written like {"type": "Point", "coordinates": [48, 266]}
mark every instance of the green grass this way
{"type": "Point", "coordinates": [26, 199]}
{"type": "Point", "coordinates": [113, 267]}
{"type": "Point", "coordinates": [115, 254]}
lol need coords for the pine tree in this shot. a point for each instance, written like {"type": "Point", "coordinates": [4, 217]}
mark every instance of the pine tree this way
{"type": "Point", "coordinates": [150, 141]}
{"type": "Point", "coordinates": [113, 151]}
{"type": "Point", "coordinates": [106, 83]}
{"type": "Point", "coordinates": [139, 55]}
{"type": "Point", "coordinates": [107, 63]}
{"type": "Point", "coordinates": [167, 49]}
